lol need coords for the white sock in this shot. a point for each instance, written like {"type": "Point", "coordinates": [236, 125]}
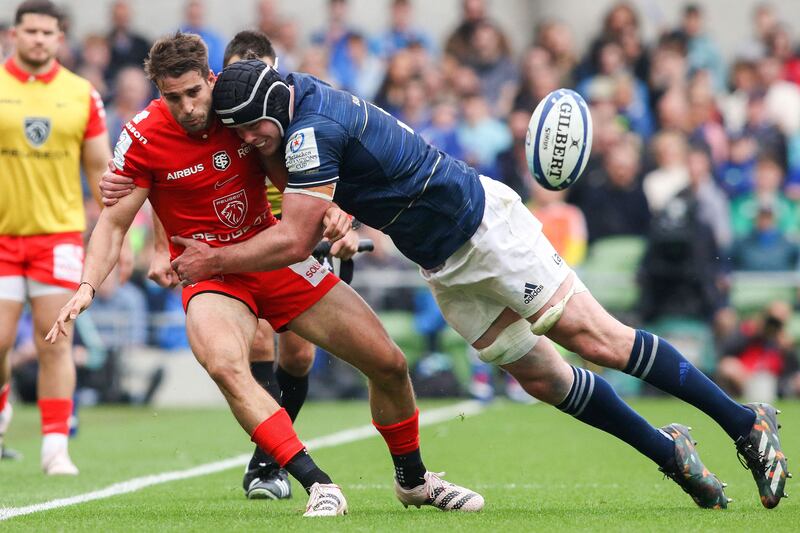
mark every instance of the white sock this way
{"type": "Point", "coordinates": [53, 443]}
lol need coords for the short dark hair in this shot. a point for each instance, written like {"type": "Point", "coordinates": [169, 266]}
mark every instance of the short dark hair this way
{"type": "Point", "coordinates": [39, 7]}
{"type": "Point", "coordinates": [249, 44]}
{"type": "Point", "coordinates": [175, 55]}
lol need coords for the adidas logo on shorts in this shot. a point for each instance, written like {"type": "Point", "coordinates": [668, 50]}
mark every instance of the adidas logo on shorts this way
{"type": "Point", "coordinates": [531, 291]}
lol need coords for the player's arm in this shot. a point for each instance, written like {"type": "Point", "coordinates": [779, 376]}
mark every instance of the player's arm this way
{"type": "Point", "coordinates": [284, 244]}
{"type": "Point", "coordinates": [101, 256]}
{"type": "Point", "coordinates": [95, 154]}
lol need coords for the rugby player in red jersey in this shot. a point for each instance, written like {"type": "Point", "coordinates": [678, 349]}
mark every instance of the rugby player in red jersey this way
{"type": "Point", "coordinates": [206, 184]}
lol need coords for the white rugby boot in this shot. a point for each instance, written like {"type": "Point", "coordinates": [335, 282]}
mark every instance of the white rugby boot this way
{"type": "Point", "coordinates": [55, 456]}
{"type": "Point", "coordinates": [326, 500]}
{"type": "Point", "coordinates": [440, 494]}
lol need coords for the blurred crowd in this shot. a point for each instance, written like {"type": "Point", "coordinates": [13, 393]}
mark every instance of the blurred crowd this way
{"type": "Point", "coordinates": [696, 153]}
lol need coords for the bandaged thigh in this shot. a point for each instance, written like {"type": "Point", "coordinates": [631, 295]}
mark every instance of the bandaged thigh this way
{"type": "Point", "coordinates": [510, 345]}
{"type": "Point", "coordinates": [549, 318]}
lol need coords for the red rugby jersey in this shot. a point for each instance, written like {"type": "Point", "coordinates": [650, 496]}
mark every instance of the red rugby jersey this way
{"type": "Point", "coordinates": [207, 185]}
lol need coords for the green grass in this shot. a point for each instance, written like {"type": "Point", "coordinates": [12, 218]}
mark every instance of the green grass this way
{"type": "Point", "coordinates": [538, 469]}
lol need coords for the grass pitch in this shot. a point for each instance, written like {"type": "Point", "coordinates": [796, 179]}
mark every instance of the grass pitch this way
{"type": "Point", "coordinates": [538, 469]}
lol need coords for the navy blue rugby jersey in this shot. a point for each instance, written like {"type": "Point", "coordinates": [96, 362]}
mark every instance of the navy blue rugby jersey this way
{"type": "Point", "coordinates": [386, 175]}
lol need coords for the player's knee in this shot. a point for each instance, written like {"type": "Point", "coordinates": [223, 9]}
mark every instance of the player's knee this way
{"type": "Point", "coordinates": [298, 361]}
{"type": "Point", "coordinates": [227, 376]}
{"type": "Point", "coordinates": [392, 368]}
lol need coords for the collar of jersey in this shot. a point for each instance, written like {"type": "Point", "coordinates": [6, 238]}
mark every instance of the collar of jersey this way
{"type": "Point", "coordinates": [23, 76]}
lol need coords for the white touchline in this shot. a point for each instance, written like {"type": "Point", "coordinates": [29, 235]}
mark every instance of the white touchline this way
{"type": "Point", "coordinates": [434, 416]}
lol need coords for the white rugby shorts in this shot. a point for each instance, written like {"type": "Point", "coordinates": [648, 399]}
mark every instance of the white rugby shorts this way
{"type": "Point", "coordinates": [508, 262]}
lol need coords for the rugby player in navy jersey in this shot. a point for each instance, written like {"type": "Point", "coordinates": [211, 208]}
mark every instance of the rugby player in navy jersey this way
{"type": "Point", "coordinates": [497, 279]}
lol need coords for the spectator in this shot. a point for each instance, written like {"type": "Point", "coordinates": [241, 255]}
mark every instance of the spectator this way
{"type": "Point", "coordinates": [459, 43]}
{"type": "Point", "coordinates": [768, 182]}
{"type": "Point", "coordinates": [563, 224]}
{"type": "Point", "coordinates": [765, 21]}
{"type": "Point", "coordinates": [671, 175]}
{"type": "Point", "coordinates": [482, 136]}
{"type": "Point", "coordinates": [538, 78]}
{"type": "Point", "coordinates": [766, 248]}
{"type": "Point", "coordinates": [315, 62]}
{"type": "Point", "coordinates": [269, 21]}
{"type": "Point", "coordinates": [442, 130]}
{"type": "Point", "coordinates": [127, 47]}
{"type": "Point", "coordinates": [131, 95]}
{"type": "Point", "coordinates": [681, 273]}
{"type": "Point", "coordinates": [737, 175]}
{"type": "Point", "coordinates": [333, 38]}
{"type": "Point", "coordinates": [512, 164]}
{"type": "Point", "coordinates": [704, 120]}
{"type": "Point", "coordinates": [702, 52]}
{"type": "Point", "coordinates": [760, 362]}
{"type": "Point", "coordinates": [491, 61]}
{"type": "Point", "coordinates": [364, 71]}
{"type": "Point", "coordinates": [744, 82]}
{"type": "Point", "coordinates": [782, 98]}
{"type": "Point", "coordinates": [760, 127]}
{"type": "Point", "coordinates": [194, 22]}
{"type": "Point", "coordinates": [399, 72]}
{"type": "Point", "coordinates": [713, 207]}
{"type": "Point", "coordinates": [95, 60]}
{"type": "Point", "coordinates": [555, 38]}
{"type": "Point", "coordinates": [6, 45]}
{"type": "Point", "coordinates": [612, 199]}
{"type": "Point", "coordinates": [416, 110]}
{"type": "Point", "coordinates": [401, 33]}
{"type": "Point", "coordinates": [780, 45]}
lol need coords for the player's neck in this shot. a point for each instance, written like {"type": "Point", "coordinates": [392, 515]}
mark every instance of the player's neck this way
{"type": "Point", "coordinates": [34, 70]}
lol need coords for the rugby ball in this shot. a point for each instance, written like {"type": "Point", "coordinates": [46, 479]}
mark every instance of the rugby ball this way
{"type": "Point", "coordinates": [559, 139]}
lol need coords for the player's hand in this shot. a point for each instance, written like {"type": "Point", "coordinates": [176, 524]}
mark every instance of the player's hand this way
{"type": "Point", "coordinates": [346, 247]}
{"type": "Point", "coordinates": [80, 301]}
{"type": "Point", "coordinates": [161, 271]}
{"type": "Point", "coordinates": [113, 186]}
{"type": "Point", "coordinates": [125, 262]}
{"type": "Point", "coordinates": [336, 223]}
{"type": "Point", "coordinates": [197, 262]}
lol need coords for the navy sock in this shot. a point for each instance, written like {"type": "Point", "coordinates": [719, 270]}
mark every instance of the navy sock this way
{"type": "Point", "coordinates": [293, 391]}
{"type": "Point", "coordinates": [657, 362]}
{"type": "Point", "coordinates": [593, 401]}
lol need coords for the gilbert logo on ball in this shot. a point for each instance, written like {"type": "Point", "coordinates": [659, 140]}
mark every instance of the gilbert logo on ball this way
{"type": "Point", "coordinates": [559, 139]}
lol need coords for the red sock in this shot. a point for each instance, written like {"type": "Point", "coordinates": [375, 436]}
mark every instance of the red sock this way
{"type": "Point", "coordinates": [55, 415]}
{"type": "Point", "coordinates": [401, 437]}
{"type": "Point", "coordinates": [276, 436]}
{"type": "Point", "coordinates": [4, 395]}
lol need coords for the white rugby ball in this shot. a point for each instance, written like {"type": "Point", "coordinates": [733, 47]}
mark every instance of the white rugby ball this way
{"type": "Point", "coordinates": [559, 139]}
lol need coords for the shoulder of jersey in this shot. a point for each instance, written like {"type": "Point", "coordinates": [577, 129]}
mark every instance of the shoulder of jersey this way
{"type": "Point", "coordinates": [150, 120]}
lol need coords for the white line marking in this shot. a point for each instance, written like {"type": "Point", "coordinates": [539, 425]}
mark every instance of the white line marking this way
{"type": "Point", "coordinates": [346, 436]}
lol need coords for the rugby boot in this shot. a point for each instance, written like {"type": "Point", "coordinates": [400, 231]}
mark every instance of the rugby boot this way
{"type": "Point", "coordinates": [689, 472]}
{"type": "Point", "coordinates": [325, 500]}
{"type": "Point", "coordinates": [760, 452]}
{"type": "Point", "coordinates": [439, 493]}
{"type": "Point", "coordinates": [267, 483]}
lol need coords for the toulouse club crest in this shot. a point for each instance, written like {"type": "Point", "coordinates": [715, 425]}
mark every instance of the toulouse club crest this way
{"type": "Point", "coordinates": [231, 209]}
{"type": "Point", "coordinates": [37, 130]}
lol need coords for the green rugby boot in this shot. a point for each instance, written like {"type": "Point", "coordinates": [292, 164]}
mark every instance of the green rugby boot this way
{"type": "Point", "coordinates": [688, 471]}
{"type": "Point", "coordinates": [760, 452]}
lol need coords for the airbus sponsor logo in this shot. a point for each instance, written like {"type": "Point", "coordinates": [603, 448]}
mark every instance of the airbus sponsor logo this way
{"type": "Point", "coordinates": [194, 169]}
